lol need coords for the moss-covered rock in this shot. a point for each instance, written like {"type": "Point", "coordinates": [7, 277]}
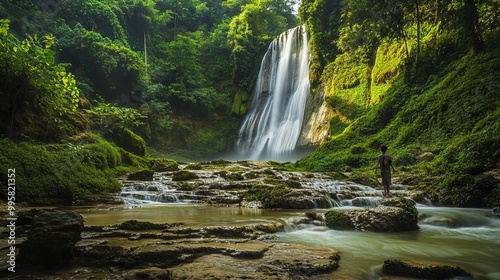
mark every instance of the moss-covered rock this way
{"type": "Point", "coordinates": [184, 175]}
{"type": "Point", "coordinates": [270, 196]}
{"type": "Point", "coordinates": [128, 140]}
{"type": "Point", "coordinates": [392, 215]}
{"type": "Point", "coordinates": [336, 219]}
{"type": "Point", "coordinates": [239, 106]}
{"type": "Point", "coordinates": [63, 174]}
{"type": "Point", "coordinates": [235, 176]}
{"type": "Point", "coordinates": [141, 175]}
{"type": "Point", "coordinates": [162, 165]}
{"type": "Point", "coordinates": [193, 166]}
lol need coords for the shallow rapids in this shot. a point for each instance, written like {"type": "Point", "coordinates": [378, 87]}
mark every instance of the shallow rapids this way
{"type": "Point", "coordinates": [453, 236]}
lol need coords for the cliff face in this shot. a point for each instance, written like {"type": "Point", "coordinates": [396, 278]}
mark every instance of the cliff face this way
{"type": "Point", "coordinates": [316, 127]}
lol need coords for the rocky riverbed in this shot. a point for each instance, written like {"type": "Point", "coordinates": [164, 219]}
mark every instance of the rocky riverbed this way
{"type": "Point", "coordinates": [59, 245]}
{"type": "Point", "coordinates": [254, 185]}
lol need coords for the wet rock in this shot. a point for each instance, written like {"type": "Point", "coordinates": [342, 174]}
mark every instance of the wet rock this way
{"type": "Point", "coordinates": [52, 238]}
{"type": "Point", "coordinates": [143, 250]}
{"type": "Point", "coordinates": [315, 216]}
{"type": "Point", "coordinates": [224, 199]}
{"type": "Point", "coordinates": [26, 217]}
{"type": "Point", "coordinates": [495, 212]}
{"type": "Point", "coordinates": [400, 268]}
{"type": "Point", "coordinates": [235, 176]}
{"type": "Point", "coordinates": [193, 166]}
{"type": "Point", "coordinates": [136, 225]}
{"type": "Point", "coordinates": [143, 175]}
{"type": "Point", "coordinates": [336, 219]}
{"type": "Point", "coordinates": [391, 215]}
{"type": "Point", "coordinates": [252, 204]}
{"type": "Point", "coordinates": [162, 165]}
{"type": "Point", "coordinates": [184, 175]}
{"type": "Point", "coordinates": [151, 273]}
{"type": "Point", "coordinates": [279, 261]}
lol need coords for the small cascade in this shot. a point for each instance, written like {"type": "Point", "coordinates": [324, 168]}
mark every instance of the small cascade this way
{"type": "Point", "coordinates": [272, 128]}
{"type": "Point", "coordinates": [367, 201]}
{"type": "Point", "coordinates": [216, 187]}
{"type": "Point", "coordinates": [465, 218]}
{"type": "Point", "coordinates": [148, 192]}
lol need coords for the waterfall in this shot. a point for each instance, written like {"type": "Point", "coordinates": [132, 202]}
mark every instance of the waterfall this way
{"type": "Point", "coordinates": [273, 125]}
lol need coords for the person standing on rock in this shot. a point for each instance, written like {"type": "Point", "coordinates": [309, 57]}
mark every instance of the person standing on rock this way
{"type": "Point", "coordinates": [385, 165]}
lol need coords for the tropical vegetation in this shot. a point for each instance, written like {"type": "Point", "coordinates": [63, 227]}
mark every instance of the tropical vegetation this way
{"type": "Point", "coordinates": [91, 89]}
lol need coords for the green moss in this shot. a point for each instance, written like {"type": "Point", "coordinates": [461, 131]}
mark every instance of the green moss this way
{"type": "Point", "coordinates": [270, 196]}
{"type": "Point", "coordinates": [186, 186]}
{"type": "Point", "coordinates": [338, 220]}
{"type": "Point", "coordinates": [184, 175]}
{"type": "Point", "coordinates": [293, 183]}
{"type": "Point", "coordinates": [162, 164]}
{"type": "Point", "coordinates": [239, 107]}
{"type": "Point", "coordinates": [128, 140]}
{"type": "Point", "coordinates": [60, 174]}
{"type": "Point", "coordinates": [194, 166]}
{"type": "Point", "coordinates": [235, 176]}
{"type": "Point", "coordinates": [284, 166]}
{"type": "Point", "coordinates": [453, 114]}
{"type": "Point", "coordinates": [387, 68]}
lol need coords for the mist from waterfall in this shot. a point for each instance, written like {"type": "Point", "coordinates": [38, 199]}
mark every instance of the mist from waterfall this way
{"type": "Point", "coordinates": [273, 125]}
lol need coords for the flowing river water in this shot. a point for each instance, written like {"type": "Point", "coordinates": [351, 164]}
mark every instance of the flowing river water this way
{"type": "Point", "coordinates": [453, 236]}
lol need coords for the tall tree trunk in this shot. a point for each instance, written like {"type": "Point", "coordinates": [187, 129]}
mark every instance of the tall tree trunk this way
{"type": "Point", "coordinates": [471, 24]}
{"type": "Point", "coordinates": [145, 52]}
{"type": "Point", "coordinates": [417, 56]}
{"type": "Point", "coordinates": [436, 12]}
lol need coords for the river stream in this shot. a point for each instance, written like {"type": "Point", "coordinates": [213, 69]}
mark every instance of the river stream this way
{"type": "Point", "coordinates": [453, 236]}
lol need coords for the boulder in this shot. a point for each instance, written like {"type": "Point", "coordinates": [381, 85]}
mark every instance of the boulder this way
{"type": "Point", "coordinates": [129, 141]}
{"type": "Point", "coordinates": [142, 175]}
{"type": "Point", "coordinates": [338, 220]}
{"type": "Point", "coordinates": [391, 215]}
{"type": "Point", "coordinates": [163, 165]}
{"type": "Point", "coordinates": [52, 238]}
{"type": "Point", "coordinates": [184, 175]}
{"type": "Point", "coordinates": [400, 268]}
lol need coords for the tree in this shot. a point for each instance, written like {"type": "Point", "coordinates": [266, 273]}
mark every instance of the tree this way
{"type": "Point", "coordinates": [471, 25]}
{"type": "Point", "coordinates": [322, 20]}
{"type": "Point", "coordinates": [94, 15]}
{"type": "Point", "coordinates": [182, 61]}
{"type": "Point", "coordinates": [36, 93]}
{"type": "Point", "coordinates": [112, 69]}
{"type": "Point", "coordinates": [249, 34]}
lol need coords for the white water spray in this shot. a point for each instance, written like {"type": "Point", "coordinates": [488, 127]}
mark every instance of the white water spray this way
{"type": "Point", "coordinates": [272, 128]}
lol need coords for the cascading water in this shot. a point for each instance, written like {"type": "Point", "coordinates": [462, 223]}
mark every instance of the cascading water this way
{"type": "Point", "coordinates": [272, 128]}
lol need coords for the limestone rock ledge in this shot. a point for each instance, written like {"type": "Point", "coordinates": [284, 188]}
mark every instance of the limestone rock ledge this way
{"type": "Point", "coordinates": [432, 272]}
{"type": "Point", "coordinates": [391, 215]}
{"type": "Point", "coordinates": [143, 250]}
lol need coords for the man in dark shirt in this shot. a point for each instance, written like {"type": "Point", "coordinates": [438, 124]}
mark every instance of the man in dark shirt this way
{"type": "Point", "coordinates": [385, 164]}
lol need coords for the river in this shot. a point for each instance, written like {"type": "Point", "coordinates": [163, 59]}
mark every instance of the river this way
{"type": "Point", "coordinates": [453, 236]}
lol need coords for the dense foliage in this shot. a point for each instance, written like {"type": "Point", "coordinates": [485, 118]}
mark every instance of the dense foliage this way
{"type": "Point", "coordinates": [179, 63]}
{"type": "Point", "coordinates": [420, 77]}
